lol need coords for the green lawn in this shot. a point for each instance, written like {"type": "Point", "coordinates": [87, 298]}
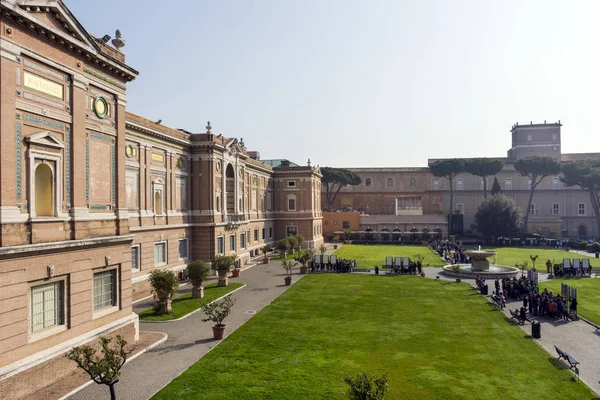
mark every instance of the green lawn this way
{"type": "Point", "coordinates": [368, 256]}
{"type": "Point", "coordinates": [511, 255]}
{"type": "Point", "coordinates": [588, 295]}
{"type": "Point", "coordinates": [435, 339]}
{"type": "Point", "coordinates": [184, 304]}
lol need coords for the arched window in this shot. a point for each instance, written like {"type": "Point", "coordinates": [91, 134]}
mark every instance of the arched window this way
{"type": "Point", "coordinates": [44, 191]}
{"type": "Point", "coordinates": [413, 182]}
{"type": "Point", "coordinates": [390, 182]}
{"type": "Point", "coordinates": [368, 182]}
{"type": "Point", "coordinates": [158, 209]}
{"type": "Point", "coordinates": [582, 231]}
{"type": "Point", "coordinates": [218, 200]}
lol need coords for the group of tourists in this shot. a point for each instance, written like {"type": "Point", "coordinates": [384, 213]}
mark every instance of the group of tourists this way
{"type": "Point", "coordinates": [339, 266]}
{"type": "Point", "coordinates": [450, 251]}
{"type": "Point", "coordinates": [413, 267]}
{"type": "Point", "coordinates": [577, 269]}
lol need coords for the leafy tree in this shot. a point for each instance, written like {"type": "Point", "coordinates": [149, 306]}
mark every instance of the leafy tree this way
{"type": "Point", "coordinates": [283, 245]}
{"type": "Point", "coordinates": [165, 284]}
{"type": "Point", "coordinates": [305, 256]}
{"type": "Point", "coordinates": [198, 272]}
{"type": "Point", "coordinates": [496, 187]}
{"type": "Point", "coordinates": [334, 179]}
{"type": "Point", "coordinates": [585, 174]}
{"type": "Point", "coordinates": [498, 216]}
{"type": "Point", "coordinates": [366, 387]}
{"type": "Point", "coordinates": [218, 310]}
{"type": "Point", "coordinates": [536, 168]}
{"type": "Point", "coordinates": [105, 369]}
{"type": "Point", "coordinates": [448, 169]}
{"type": "Point", "coordinates": [484, 167]}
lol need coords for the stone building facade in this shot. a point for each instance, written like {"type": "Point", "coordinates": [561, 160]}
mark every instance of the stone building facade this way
{"type": "Point", "coordinates": [557, 211]}
{"type": "Point", "coordinates": [92, 198]}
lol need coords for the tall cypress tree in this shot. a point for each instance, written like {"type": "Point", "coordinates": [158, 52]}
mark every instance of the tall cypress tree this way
{"type": "Point", "coordinates": [496, 187]}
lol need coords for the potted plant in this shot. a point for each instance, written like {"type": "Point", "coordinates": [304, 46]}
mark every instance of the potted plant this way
{"type": "Point", "coordinates": [422, 272]}
{"type": "Point", "coordinates": [533, 259]}
{"type": "Point", "coordinates": [265, 249]}
{"type": "Point", "coordinates": [303, 258]}
{"type": "Point", "coordinates": [348, 235]}
{"type": "Point", "coordinates": [288, 265]}
{"type": "Point", "coordinates": [322, 249]}
{"type": "Point", "coordinates": [456, 269]}
{"type": "Point", "coordinates": [198, 271]}
{"type": "Point", "coordinates": [335, 240]}
{"type": "Point", "coordinates": [223, 264]}
{"type": "Point", "coordinates": [216, 312]}
{"type": "Point", "coordinates": [164, 284]}
{"type": "Point", "coordinates": [420, 257]}
{"type": "Point", "coordinates": [236, 269]}
{"type": "Point", "coordinates": [299, 241]}
{"type": "Point", "coordinates": [283, 245]}
{"type": "Point", "coordinates": [293, 243]}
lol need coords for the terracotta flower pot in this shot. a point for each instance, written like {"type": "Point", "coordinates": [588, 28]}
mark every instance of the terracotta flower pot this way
{"type": "Point", "coordinates": [422, 274]}
{"type": "Point", "coordinates": [303, 270]}
{"type": "Point", "coordinates": [335, 246]}
{"type": "Point", "coordinates": [458, 280]}
{"type": "Point", "coordinates": [266, 260]}
{"type": "Point", "coordinates": [219, 331]}
{"type": "Point", "coordinates": [236, 273]}
{"type": "Point", "coordinates": [288, 280]}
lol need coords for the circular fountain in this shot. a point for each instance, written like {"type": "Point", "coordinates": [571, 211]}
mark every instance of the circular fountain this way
{"type": "Point", "coordinates": [480, 266]}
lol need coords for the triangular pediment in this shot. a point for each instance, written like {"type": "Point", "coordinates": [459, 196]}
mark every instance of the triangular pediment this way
{"type": "Point", "coordinates": [56, 17]}
{"type": "Point", "coordinates": [45, 138]}
{"type": "Point", "coordinates": [234, 147]}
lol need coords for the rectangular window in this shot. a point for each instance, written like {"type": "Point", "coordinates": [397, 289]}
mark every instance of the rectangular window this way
{"type": "Point", "coordinates": [459, 184]}
{"type": "Point", "coordinates": [556, 209]}
{"type": "Point", "coordinates": [460, 207]}
{"type": "Point", "coordinates": [264, 233]}
{"type": "Point", "coordinates": [532, 209]}
{"type": "Point", "coordinates": [436, 184]}
{"type": "Point", "coordinates": [160, 253]}
{"type": "Point", "coordinates": [508, 184]}
{"type": "Point", "coordinates": [242, 240]}
{"type": "Point", "coordinates": [135, 258]}
{"type": "Point", "coordinates": [47, 306]}
{"type": "Point", "coordinates": [292, 204]}
{"type": "Point", "coordinates": [292, 230]}
{"type": "Point", "coordinates": [183, 249]}
{"type": "Point", "coordinates": [554, 136]}
{"type": "Point", "coordinates": [555, 183]}
{"type": "Point", "coordinates": [529, 137]}
{"type": "Point", "coordinates": [345, 224]}
{"type": "Point", "coordinates": [291, 183]}
{"type": "Point", "coordinates": [528, 184]}
{"type": "Point", "coordinates": [220, 245]}
{"type": "Point", "coordinates": [256, 235]}
{"type": "Point", "coordinates": [231, 242]}
{"type": "Point", "coordinates": [580, 208]}
{"type": "Point", "coordinates": [270, 232]}
{"type": "Point", "coordinates": [105, 289]}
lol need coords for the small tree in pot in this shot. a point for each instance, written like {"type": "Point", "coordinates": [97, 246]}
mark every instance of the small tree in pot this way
{"type": "Point", "coordinates": [303, 258]}
{"type": "Point", "coordinates": [198, 271]}
{"type": "Point", "coordinates": [283, 245]}
{"type": "Point", "coordinates": [289, 266]}
{"type": "Point", "coordinates": [164, 284]}
{"type": "Point", "coordinates": [299, 241]}
{"type": "Point", "coordinates": [265, 249]}
{"type": "Point", "coordinates": [216, 312]}
{"type": "Point", "coordinates": [322, 249]}
{"type": "Point", "coordinates": [223, 264]}
{"type": "Point", "coordinates": [335, 240]}
{"type": "Point", "coordinates": [456, 269]}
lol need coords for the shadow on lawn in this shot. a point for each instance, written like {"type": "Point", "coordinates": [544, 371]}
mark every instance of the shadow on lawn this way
{"type": "Point", "coordinates": [178, 347]}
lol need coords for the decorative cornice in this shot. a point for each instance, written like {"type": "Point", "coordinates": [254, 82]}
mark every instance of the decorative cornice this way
{"type": "Point", "coordinates": [103, 77]}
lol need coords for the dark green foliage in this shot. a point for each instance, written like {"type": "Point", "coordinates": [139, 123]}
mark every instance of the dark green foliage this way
{"type": "Point", "coordinates": [594, 247]}
{"type": "Point", "coordinates": [164, 281]}
{"type": "Point", "coordinates": [283, 245]}
{"type": "Point", "coordinates": [582, 245]}
{"type": "Point", "coordinates": [496, 187]}
{"type": "Point", "coordinates": [334, 179]}
{"type": "Point", "coordinates": [484, 167]}
{"type": "Point", "coordinates": [217, 311]}
{"type": "Point", "coordinates": [498, 216]}
{"type": "Point", "coordinates": [536, 168]}
{"type": "Point", "coordinates": [265, 249]}
{"type": "Point", "coordinates": [289, 266]}
{"type": "Point", "coordinates": [366, 387]}
{"type": "Point", "coordinates": [585, 174]}
{"type": "Point", "coordinates": [448, 169]}
{"type": "Point", "coordinates": [305, 256]}
{"type": "Point", "coordinates": [198, 271]}
{"type": "Point", "coordinates": [224, 263]}
{"type": "Point", "coordinates": [105, 369]}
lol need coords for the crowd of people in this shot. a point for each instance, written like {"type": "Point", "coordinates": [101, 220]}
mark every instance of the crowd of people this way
{"type": "Point", "coordinates": [451, 252]}
{"type": "Point", "coordinates": [339, 266]}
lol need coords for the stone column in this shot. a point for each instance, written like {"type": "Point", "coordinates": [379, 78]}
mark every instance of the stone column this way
{"type": "Point", "coordinates": [396, 208]}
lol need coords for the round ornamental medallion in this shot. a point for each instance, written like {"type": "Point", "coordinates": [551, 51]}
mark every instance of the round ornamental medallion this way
{"type": "Point", "coordinates": [129, 151]}
{"type": "Point", "coordinates": [218, 166]}
{"type": "Point", "coordinates": [101, 107]}
{"type": "Point", "coordinates": [180, 163]}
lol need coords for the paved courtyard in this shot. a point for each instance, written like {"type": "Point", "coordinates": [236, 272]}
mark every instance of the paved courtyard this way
{"type": "Point", "coordinates": [190, 338]}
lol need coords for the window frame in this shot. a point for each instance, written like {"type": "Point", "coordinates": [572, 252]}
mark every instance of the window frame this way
{"type": "Point", "coordinates": [368, 182]}
{"type": "Point", "coordinates": [555, 183]}
{"type": "Point", "coordinates": [460, 184]}
{"type": "Point", "coordinates": [242, 240]}
{"type": "Point", "coordinates": [158, 187]}
{"type": "Point", "coordinates": [436, 184]}
{"type": "Point", "coordinates": [580, 209]}
{"type": "Point", "coordinates": [187, 249]}
{"type": "Point", "coordinates": [264, 233]}
{"type": "Point", "coordinates": [289, 198]}
{"type": "Point", "coordinates": [97, 313]}
{"type": "Point", "coordinates": [461, 208]}
{"type": "Point", "coordinates": [508, 184]}
{"type": "Point", "coordinates": [345, 224]}
{"type": "Point", "coordinates": [220, 250]}
{"type": "Point", "coordinates": [54, 329]}
{"type": "Point", "coordinates": [166, 258]}
{"type": "Point", "coordinates": [139, 258]}
{"type": "Point", "coordinates": [293, 227]}
{"type": "Point", "coordinates": [555, 210]}
{"type": "Point", "coordinates": [271, 232]}
{"type": "Point", "coordinates": [390, 182]}
{"type": "Point", "coordinates": [255, 235]}
{"type": "Point", "coordinates": [291, 184]}
{"type": "Point", "coordinates": [232, 244]}
{"type": "Point", "coordinates": [532, 209]}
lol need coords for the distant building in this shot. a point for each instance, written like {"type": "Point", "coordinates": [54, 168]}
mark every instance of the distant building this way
{"type": "Point", "coordinates": [557, 211]}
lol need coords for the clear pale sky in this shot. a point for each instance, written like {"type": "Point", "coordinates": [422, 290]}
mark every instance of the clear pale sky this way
{"type": "Point", "coordinates": [361, 83]}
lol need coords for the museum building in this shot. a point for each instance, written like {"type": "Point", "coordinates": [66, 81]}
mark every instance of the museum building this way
{"type": "Point", "coordinates": [92, 198]}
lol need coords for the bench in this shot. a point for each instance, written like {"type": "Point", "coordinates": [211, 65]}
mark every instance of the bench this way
{"type": "Point", "coordinates": [568, 358]}
{"type": "Point", "coordinates": [515, 315]}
